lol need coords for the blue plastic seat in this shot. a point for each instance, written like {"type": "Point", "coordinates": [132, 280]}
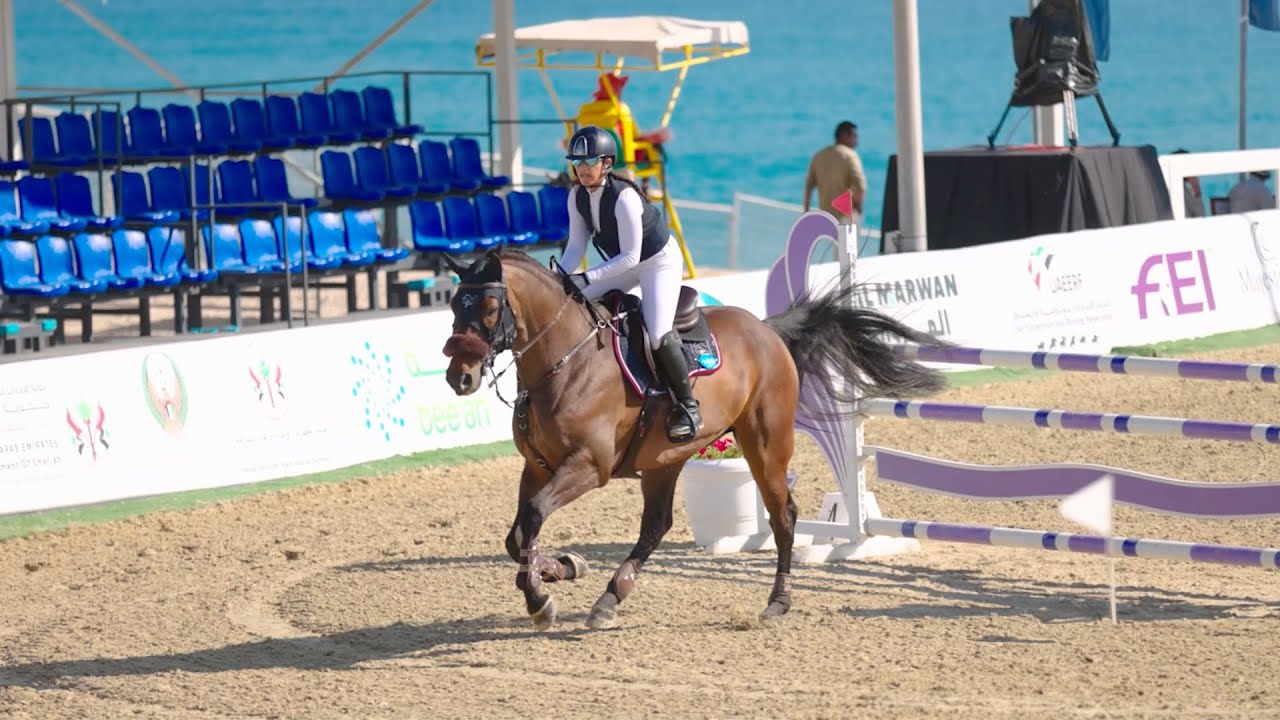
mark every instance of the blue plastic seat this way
{"type": "Point", "coordinates": [340, 180]}
{"type": "Point", "coordinates": [290, 231]}
{"type": "Point", "coordinates": [75, 200]}
{"type": "Point", "coordinates": [133, 259]}
{"type": "Point", "coordinates": [554, 202]}
{"type": "Point", "coordinates": [57, 266]}
{"type": "Point", "coordinates": [273, 182]}
{"type": "Point", "coordinates": [215, 129]}
{"type": "Point", "coordinates": [131, 197]}
{"type": "Point", "coordinates": [44, 150]}
{"type": "Point", "coordinates": [460, 223]}
{"type": "Point", "coordinates": [110, 134]}
{"type": "Point", "coordinates": [523, 209]}
{"type": "Point", "coordinates": [169, 255]}
{"type": "Point", "coordinates": [348, 116]}
{"type": "Point", "coordinates": [251, 126]}
{"type": "Point", "coordinates": [235, 183]}
{"type": "Point", "coordinates": [11, 220]}
{"type": "Point", "coordinates": [169, 193]}
{"type": "Point", "coordinates": [261, 246]}
{"type": "Point", "coordinates": [147, 138]}
{"type": "Point", "coordinates": [437, 168]}
{"type": "Point", "coordinates": [225, 250]}
{"type": "Point", "coordinates": [318, 120]}
{"type": "Point", "coordinates": [363, 237]}
{"type": "Point", "coordinates": [467, 166]}
{"type": "Point", "coordinates": [428, 230]}
{"type": "Point", "coordinates": [328, 236]}
{"type": "Point", "coordinates": [372, 175]}
{"type": "Point", "coordinates": [93, 250]}
{"type": "Point", "coordinates": [75, 139]}
{"type": "Point", "coordinates": [491, 213]}
{"type": "Point", "coordinates": [380, 113]}
{"type": "Point", "coordinates": [180, 131]}
{"type": "Point", "coordinates": [38, 205]}
{"type": "Point", "coordinates": [19, 274]}
{"type": "Point", "coordinates": [402, 161]}
{"type": "Point", "coordinates": [203, 181]}
{"type": "Point", "coordinates": [282, 122]}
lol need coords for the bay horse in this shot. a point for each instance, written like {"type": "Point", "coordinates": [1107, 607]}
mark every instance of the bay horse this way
{"type": "Point", "coordinates": [577, 425]}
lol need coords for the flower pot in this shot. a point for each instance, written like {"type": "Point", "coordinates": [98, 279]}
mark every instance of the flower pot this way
{"type": "Point", "coordinates": [722, 501]}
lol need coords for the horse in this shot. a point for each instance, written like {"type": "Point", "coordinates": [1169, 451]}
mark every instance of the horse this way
{"type": "Point", "coordinates": [577, 425]}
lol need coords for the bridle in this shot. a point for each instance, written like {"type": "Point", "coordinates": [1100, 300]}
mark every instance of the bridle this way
{"type": "Point", "coordinates": [502, 335]}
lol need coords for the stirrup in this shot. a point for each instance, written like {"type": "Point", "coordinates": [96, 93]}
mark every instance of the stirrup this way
{"type": "Point", "coordinates": [681, 413]}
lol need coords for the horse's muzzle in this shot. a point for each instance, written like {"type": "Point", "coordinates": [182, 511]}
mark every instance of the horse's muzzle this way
{"type": "Point", "coordinates": [464, 380]}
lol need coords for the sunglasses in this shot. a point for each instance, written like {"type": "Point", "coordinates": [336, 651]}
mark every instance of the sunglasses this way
{"type": "Point", "coordinates": [589, 162]}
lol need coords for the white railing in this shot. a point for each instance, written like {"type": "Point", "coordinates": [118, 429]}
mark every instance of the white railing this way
{"type": "Point", "coordinates": [1177, 167]}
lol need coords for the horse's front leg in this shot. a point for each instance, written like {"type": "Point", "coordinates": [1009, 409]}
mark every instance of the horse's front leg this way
{"type": "Point", "coordinates": [578, 474]}
{"type": "Point", "coordinates": [659, 488]}
{"type": "Point", "coordinates": [569, 566]}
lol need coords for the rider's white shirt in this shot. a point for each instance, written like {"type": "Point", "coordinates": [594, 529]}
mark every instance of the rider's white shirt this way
{"type": "Point", "coordinates": [628, 210]}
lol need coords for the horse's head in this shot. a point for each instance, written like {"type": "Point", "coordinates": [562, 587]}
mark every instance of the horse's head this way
{"type": "Point", "coordinates": [483, 322]}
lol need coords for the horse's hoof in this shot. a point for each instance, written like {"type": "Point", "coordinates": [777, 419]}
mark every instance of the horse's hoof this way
{"type": "Point", "coordinates": [774, 613]}
{"type": "Point", "coordinates": [602, 618]}
{"type": "Point", "coordinates": [545, 617]}
{"type": "Point", "coordinates": [604, 614]}
{"type": "Point", "coordinates": [575, 563]}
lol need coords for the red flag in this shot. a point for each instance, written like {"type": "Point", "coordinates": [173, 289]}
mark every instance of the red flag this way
{"type": "Point", "coordinates": [844, 203]}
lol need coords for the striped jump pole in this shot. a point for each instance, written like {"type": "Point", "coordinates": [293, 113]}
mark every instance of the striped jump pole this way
{"type": "Point", "coordinates": [1072, 420]}
{"type": "Point", "coordinates": [1105, 364]}
{"type": "Point", "coordinates": [1072, 542]}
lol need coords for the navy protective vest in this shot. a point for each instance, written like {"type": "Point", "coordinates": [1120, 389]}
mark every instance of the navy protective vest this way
{"type": "Point", "coordinates": [653, 229]}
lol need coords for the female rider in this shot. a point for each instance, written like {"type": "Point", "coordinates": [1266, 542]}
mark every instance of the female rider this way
{"type": "Point", "coordinates": [637, 249]}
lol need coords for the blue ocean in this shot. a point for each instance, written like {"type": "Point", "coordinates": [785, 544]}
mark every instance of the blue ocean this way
{"type": "Point", "coordinates": [747, 124]}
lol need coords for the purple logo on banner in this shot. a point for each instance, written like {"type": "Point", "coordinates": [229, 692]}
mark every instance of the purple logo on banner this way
{"type": "Point", "coordinates": [1161, 274]}
{"type": "Point", "coordinates": [787, 283]}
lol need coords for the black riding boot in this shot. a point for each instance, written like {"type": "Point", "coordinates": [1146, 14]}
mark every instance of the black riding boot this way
{"type": "Point", "coordinates": [684, 420]}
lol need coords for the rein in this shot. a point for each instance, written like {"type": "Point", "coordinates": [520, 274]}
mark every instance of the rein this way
{"type": "Point", "coordinates": [598, 324]}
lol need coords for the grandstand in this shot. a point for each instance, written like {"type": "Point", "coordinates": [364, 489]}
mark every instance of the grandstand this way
{"type": "Point", "coordinates": [184, 201]}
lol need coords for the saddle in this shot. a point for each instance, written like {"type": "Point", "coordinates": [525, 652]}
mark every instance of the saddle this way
{"type": "Point", "coordinates": [631, 343]}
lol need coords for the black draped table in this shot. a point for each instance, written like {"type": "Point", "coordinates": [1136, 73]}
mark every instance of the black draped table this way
{"type": "Point", "coordinates": [978, 195]}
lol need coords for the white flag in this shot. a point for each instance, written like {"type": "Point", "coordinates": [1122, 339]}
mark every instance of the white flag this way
{"type": "Point", "coordinates": [1091, 505]}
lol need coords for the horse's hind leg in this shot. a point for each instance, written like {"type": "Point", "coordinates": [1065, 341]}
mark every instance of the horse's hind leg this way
{"type": "Point", "coordinates": [767, 439]}
{"type": "Point", "coordinates": [659, 488]}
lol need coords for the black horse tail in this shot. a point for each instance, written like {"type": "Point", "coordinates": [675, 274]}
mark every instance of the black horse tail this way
{"type": "Point", "coordinates": [849, 350]}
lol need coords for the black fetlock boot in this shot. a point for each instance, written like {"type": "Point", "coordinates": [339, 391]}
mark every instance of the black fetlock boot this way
{"type": "Point", "coordinates": [685, 420]}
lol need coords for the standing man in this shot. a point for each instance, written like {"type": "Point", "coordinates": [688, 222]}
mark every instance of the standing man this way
{"type": "Point", "coordinates": [835, 169]}
{"type": "Point", "coordinates": [1251, 193]}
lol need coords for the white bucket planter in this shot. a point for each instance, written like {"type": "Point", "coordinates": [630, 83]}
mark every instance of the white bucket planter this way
{"type": "Point", "coordinates": [726, 513]}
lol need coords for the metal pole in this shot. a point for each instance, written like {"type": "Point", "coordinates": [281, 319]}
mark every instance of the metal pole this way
{"type": "Point", "coordinates": [733, 231]}
{"type": "Point", "coordinates": [1244, 48]}
{"type": "Point", "coordinates": [8, 73]}
{"type": "Point", "coordinates": [1047, 119]}
{"type": "Point", "coordinates": [373, 45]}
{"type": "Point", "coordinates": [906, 61]}
{"type": "Point", "coordinates": [504, 46]}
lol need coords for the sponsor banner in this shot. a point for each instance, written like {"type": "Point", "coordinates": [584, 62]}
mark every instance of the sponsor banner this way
{"type": "Point", "coordinates": [1261, 283]}
{"type": "Point", "coordinates": [220, 411]}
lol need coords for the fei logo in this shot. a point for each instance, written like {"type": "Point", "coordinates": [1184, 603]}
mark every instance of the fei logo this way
{"type": "Point", "coordinates": [1162, 274]}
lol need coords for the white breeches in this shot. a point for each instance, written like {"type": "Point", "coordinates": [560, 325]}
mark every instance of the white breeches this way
{"type": "Point", "coordinates": [659, 279]}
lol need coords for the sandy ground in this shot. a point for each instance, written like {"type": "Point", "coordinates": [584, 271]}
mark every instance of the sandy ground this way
{"type": "Point", "coordinates": [392, 597]}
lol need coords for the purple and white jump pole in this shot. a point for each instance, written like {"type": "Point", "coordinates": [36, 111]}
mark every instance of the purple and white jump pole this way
{"type": "Point", "coordinates": [1104, 364]}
